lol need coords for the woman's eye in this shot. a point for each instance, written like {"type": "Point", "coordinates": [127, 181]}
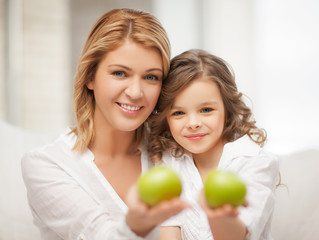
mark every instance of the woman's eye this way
{"type": "Point", "coordinates": [119, 74]}
{"type": "Point", "coordinates": [151, 77]}
{"type": "Point", "coordinates": [177, 113]}
{"type": "Point", "coordinates": [206, 110]}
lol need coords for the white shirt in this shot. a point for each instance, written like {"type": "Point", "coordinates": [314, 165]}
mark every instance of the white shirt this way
{"type": "Point", "coordinates": [71, 199]}
{"type": "Point", "coordinates": [258, 169]}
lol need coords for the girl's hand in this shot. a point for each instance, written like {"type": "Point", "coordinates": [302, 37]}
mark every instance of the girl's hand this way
{"type": "Point", "coordinates": [222, 219]}
{"type": "Point", "coordinates": [142, 218]}
{"type": "Point", "coordinates": [225, 211]}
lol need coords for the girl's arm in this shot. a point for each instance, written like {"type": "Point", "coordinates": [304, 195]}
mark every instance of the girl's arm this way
{"type": "Point", "coordinates": [224, 221]}
{"type": "Point", "coordinates": [172, 233]}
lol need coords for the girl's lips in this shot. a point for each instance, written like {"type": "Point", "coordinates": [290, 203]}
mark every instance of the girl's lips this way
{"type": "Point", "coordinates": [195, 137]}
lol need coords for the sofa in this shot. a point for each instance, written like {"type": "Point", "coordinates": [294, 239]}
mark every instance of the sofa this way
{"type": "Point", "coordinates": [296, 215]}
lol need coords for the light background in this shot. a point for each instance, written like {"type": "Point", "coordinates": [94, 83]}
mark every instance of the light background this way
{"type": "Point", "coordinates": [272, 45]}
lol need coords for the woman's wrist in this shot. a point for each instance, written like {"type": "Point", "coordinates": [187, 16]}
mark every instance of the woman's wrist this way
{"type": "Point", "coordinates": [140, 229]}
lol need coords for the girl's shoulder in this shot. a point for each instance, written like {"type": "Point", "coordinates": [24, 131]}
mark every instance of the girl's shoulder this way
{"type": "Point", "coordinates": [244, 154]}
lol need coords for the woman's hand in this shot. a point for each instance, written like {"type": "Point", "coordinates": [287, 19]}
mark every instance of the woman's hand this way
{"type": "Point", "coordinates": [224, 221]}
{"type": "Point", "coordinates": [142, 218]}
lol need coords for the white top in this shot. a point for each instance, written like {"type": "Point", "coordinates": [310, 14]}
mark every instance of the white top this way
{"type": "Point", "coordinates": [259, 170]}
{"type": "Point", "coordinates": [70, 198]}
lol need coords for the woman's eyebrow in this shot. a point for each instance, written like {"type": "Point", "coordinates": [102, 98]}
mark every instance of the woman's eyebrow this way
{"type": "Point", "coordinates": [119, 65]}
{"type": "Point", "coordinates": [154, 69]}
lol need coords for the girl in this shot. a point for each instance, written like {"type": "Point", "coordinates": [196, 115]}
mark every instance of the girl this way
{"type": "Point", "coordinates": [203, 122]}
{"type": "Point", "coordinates": [77, 185]}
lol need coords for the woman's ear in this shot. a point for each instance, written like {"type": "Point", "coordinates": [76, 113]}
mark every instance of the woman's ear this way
{"type": "Point", "coordinates": [90, 85]}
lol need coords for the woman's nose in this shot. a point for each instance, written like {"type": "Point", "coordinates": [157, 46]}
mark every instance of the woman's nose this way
{"type": "Point", "coordinates": [134, 89]}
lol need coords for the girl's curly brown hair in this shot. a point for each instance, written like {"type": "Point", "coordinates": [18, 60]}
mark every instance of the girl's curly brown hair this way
{"type": "Point", "coordinates": [186, 68]}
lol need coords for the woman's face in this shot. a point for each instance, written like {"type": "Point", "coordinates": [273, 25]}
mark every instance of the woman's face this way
{"type": "Point", "coordinates": [196, 119]}
{"type": "Point", "coordinates": [126, 86]}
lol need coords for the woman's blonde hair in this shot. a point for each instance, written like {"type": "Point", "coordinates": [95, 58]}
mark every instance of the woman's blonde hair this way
{"type": "Point", "coordinates": [109, 33]}
{"type": "Point", "coordinates": [186, 68]}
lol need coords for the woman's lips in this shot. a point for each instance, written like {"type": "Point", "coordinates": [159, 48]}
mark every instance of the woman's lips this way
{"type": "Point", "coordinates": [128, 108]}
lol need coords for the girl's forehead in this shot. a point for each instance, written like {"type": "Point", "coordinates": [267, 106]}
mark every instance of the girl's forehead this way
{"type": "Point", "coordinates": [200, 90]}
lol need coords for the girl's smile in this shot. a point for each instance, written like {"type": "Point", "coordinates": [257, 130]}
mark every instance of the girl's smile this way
{"type": "Point", "coordinates": [195, 137]}
{"type": "Point", "coordinates": [196, 119]}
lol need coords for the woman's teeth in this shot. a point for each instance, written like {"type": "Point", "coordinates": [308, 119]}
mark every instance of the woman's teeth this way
{"type": "Point", "coordinates": [130, 108]}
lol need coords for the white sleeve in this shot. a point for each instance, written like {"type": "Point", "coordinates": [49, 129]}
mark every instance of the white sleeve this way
{"type": "Point", "coordinates": [261, 176]}
{"type": "Point", "coordinates": [59, 202]}
{"type": "Point", "coordinates": [169, 161]}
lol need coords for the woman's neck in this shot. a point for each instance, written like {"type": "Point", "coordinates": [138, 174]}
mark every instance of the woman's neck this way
{"type": "Point", "coordinates": [112, 143]}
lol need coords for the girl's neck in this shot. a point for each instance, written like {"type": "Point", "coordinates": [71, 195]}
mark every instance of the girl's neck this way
{"type": "Point", "coordinates": [207, 161]}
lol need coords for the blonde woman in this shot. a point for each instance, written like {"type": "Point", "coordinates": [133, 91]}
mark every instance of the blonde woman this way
{"type": "Point", "coordinates": [77, 186]}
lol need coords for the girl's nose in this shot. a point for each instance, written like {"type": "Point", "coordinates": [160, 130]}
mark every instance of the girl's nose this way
{"type": "Point", "coordinates": [194, 123]}
{"type": "Point", "coordinates": [134, 89]}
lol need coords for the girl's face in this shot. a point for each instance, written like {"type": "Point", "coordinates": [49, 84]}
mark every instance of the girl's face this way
{"type": "Point", "coordinates": [126, 86]}
{"type": "Point", "coordinates": [197, 117]}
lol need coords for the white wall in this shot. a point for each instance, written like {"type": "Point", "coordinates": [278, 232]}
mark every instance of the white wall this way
{"type": "Point", "coordinates": [36, 64]}
{"type": "Point", "coordinates": [2, 59]}
{"type": "Point", "coordinates": [182, 21]}
{"type": "Point", "coordinates": [46, 64]}
{"type": "Point", "coordinates": [272, 46]}
{"type": "Point", "coordinates": [287, 47]}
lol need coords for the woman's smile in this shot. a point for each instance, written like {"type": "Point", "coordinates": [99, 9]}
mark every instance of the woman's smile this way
{"type": "Point", "coordinates": [130, 109]}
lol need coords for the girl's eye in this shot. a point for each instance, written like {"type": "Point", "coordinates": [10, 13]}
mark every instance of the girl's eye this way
{"type": "Point", "coordinates": [119, 74]}
{"type": "Point", "coordinates": [206, 110]}
{"type": "Point", "coordinates": [177, 113]}
{"type": "Point", "coordinates": [151, 77]}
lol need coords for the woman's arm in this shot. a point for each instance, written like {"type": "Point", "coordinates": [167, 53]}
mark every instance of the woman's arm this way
{"type": "Point", "coordinates": [142, 219]}
{"type": "Point", "coordinates": [63, 202]}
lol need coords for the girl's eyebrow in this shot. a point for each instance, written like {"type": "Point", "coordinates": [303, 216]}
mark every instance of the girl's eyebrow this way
{"type": "Point", "coordinates": [175, 107]}
{"type": "Point", "coordinates": [212, 102]}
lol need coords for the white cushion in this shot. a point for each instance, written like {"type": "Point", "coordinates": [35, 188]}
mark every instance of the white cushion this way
{"type": "Point", "coordinates": [16, 222]}
{"type": "Point", "coordinates": [296, 213]}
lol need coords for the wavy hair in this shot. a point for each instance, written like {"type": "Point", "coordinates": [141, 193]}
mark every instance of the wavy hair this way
{"type": "Point", "coordinates": [186, 68]}
{"type": "Point", "coordinates": [108, 33]}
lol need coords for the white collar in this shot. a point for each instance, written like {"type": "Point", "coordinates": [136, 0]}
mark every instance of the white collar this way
{"type": "Point", "coordinates": [242, 147]}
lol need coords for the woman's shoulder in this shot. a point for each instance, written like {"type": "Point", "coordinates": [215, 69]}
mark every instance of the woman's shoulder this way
{"type": "Point", "coordinates": [59, 150]}
{"type": "Point", "coordinates": [62, 141]}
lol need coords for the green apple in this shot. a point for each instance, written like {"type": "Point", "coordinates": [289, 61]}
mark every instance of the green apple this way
{"type": "Point", "coordinates": [222, 187]}
{"type": "Point", "coordinates": [158, 184]}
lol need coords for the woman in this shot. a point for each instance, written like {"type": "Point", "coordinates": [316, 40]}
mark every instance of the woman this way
{"type": "Point", "coordinates": [77, 185]}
